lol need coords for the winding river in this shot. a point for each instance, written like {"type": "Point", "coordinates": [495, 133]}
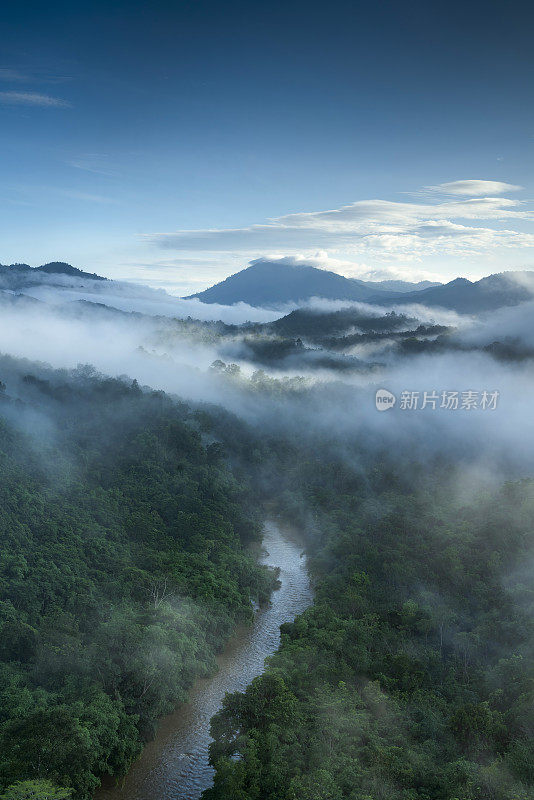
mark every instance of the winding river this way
{"type": "Point", "coordinates": [175, 765]}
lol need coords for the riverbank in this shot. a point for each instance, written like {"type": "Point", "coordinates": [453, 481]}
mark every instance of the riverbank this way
{"type": "Point", "coordinates": [174, 766]}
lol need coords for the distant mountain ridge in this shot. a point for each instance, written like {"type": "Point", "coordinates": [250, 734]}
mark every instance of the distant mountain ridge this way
{"type": "Point", "coordinates": [52, 268]}
{"type": "Point", "coordinates": [471, 297]}
{"type": "Point", "coordinates": [274, 283]}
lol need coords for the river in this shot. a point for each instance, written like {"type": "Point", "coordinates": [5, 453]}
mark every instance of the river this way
{"type": "Point", "coordinates": [174, 766]}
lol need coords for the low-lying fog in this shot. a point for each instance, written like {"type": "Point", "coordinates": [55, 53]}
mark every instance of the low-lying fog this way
{"type": "Point", "coordinates": [306, 387]}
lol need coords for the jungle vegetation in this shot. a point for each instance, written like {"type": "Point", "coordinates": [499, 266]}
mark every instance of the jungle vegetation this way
{"type": "Point", "coordinates": [127, 559]}
{"type": "Point", "coordinates": [412, 675]}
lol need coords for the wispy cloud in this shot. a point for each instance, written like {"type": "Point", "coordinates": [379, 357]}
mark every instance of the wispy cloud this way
{"type": "Point", "coordinates": [32, 99]}
{"type": "Point", "coordinates": [96, 163]}
{"type": "Point", "coordinates": [91, 198]}
{"type": "Point", "coordinates": [35, 194]}
{"type": "Point", "coordinates": [462, 225]}
{"type": "Point", "coordinates": [13, 75]}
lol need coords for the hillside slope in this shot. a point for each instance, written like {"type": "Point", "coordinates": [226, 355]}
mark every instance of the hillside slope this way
{"type": "Point", "coordinates": [274, 283]}
{"type": "Point", "coordinates": [464, 296]}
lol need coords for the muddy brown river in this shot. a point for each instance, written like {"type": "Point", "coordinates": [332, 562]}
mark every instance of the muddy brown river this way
{"type": "Point", "coordinates": [175, 765]}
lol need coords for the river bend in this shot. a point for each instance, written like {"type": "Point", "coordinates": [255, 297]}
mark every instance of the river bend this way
{"type": "Point", "coordinates": [175, 765]}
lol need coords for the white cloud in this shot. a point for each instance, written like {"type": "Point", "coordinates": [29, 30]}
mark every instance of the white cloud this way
{"type": "Point", "coordinates": [474, 188]}
{"type": "Point", "coordinates": [350, 269]}
{"type": "Point", "coordinates": [409, 230]}
{"type": "Point", "coordinates": [32, 99]}
{"type": "Point", "coordinates": [367, 213]}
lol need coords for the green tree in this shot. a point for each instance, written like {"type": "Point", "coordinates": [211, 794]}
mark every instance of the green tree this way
{"type": "Point", "coordinates": [35, 790]}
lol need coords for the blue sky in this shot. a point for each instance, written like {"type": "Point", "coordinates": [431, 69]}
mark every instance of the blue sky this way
{"type": "Point", "coordinates": [173, 142]}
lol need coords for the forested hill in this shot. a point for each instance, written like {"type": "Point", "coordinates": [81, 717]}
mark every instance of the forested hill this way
{"type": "Point", "coordinates": [125, 564]}
{"type": "Point", "coordinates": [18, 275]}
{"type": "Point", "coordinates": [412, 675]}
{"type": "Point", "coordinates": [124, 567]}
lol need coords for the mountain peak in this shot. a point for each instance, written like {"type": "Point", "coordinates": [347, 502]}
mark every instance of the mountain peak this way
{"type": "Point", "coordinates": [16, 277]}
{"type": "Point", "coordinates": [459, 282]}
{"type": "Point", "coordinates": [279, 282]}
{"type": "Point", "coordinates": [62, 268]}
{"type": "Point", "coordinates": [275, 284]}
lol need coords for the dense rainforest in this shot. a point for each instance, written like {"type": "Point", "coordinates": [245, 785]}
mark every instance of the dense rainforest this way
{"type": "Point", "coordinates": [412, 675]}
{"type": "Point", "coordinates": [127, 559]}
{"type": "Point", "coordinates": [129, 525]}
